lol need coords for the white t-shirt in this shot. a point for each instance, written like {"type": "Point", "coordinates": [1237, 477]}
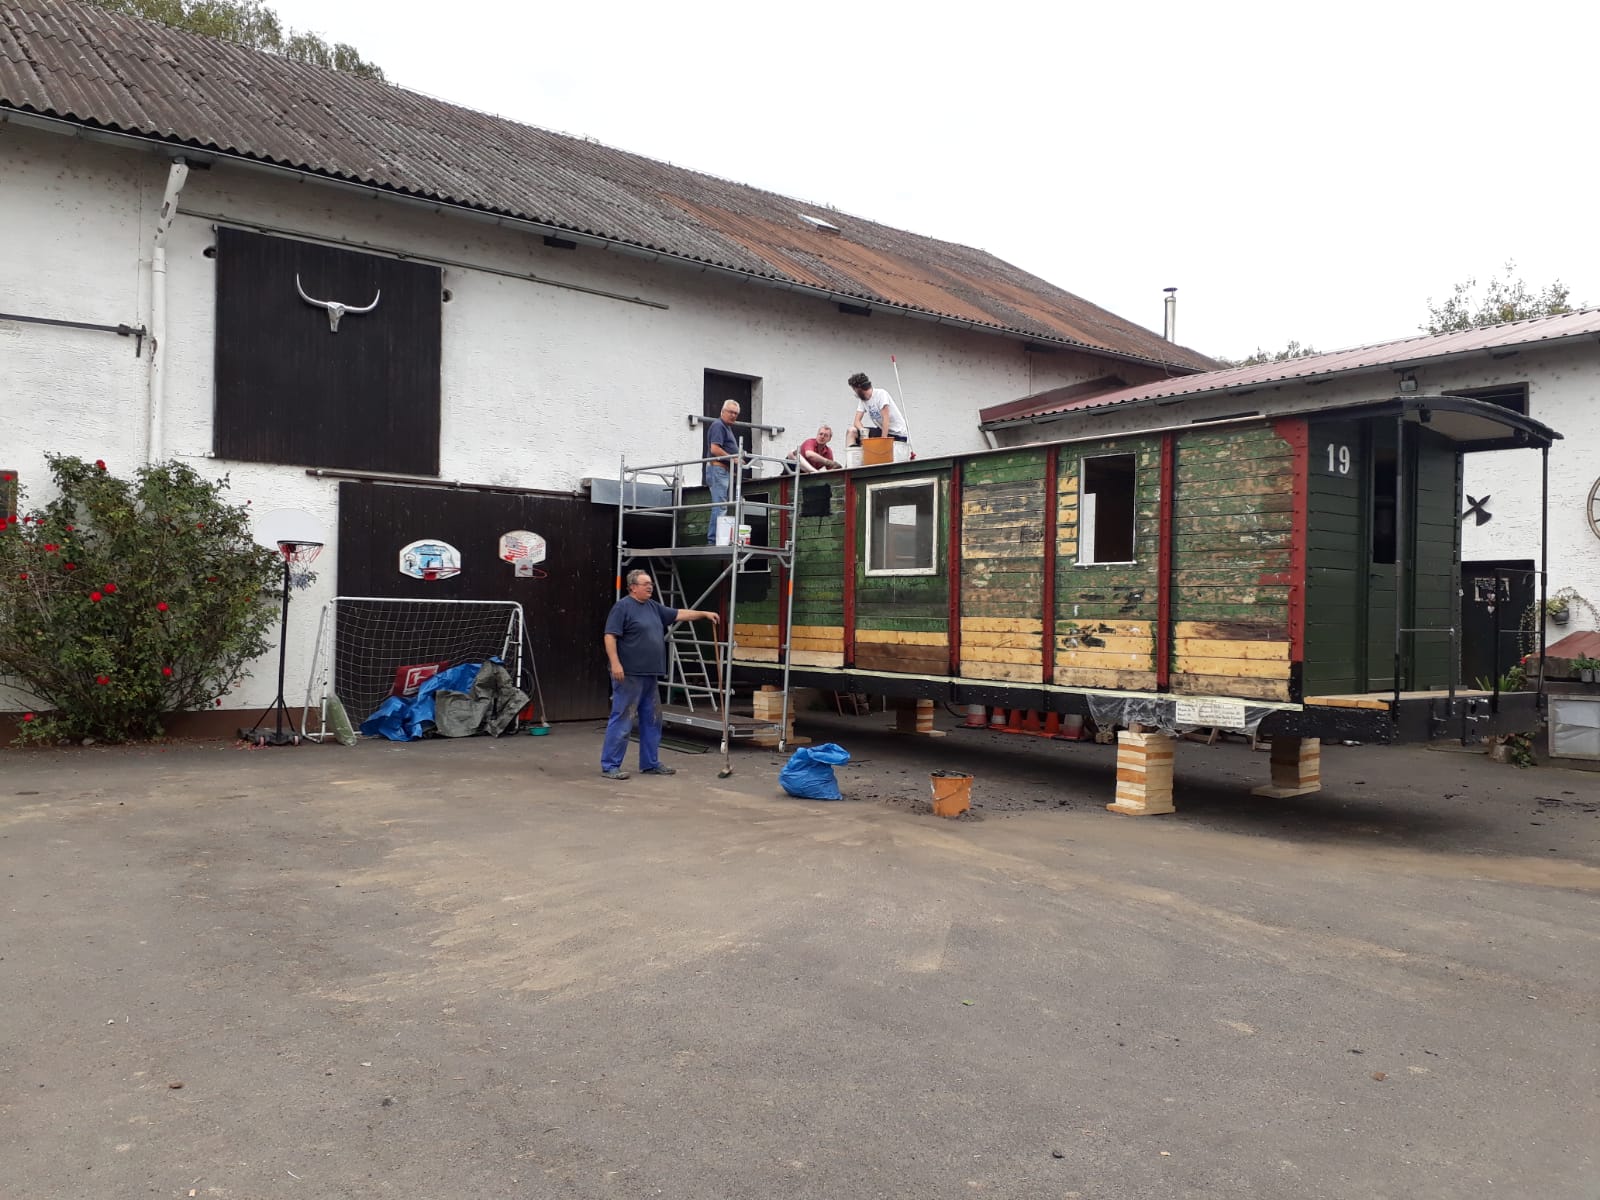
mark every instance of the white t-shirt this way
{"type": "Point", "coordinates": [874, 406]}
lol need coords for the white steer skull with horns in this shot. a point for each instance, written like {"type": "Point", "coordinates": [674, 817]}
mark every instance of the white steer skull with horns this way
{"type": "Point", "coordinates": [335, 309]}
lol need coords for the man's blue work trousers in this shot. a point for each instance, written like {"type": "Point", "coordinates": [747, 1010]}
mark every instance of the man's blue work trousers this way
{"type": "Point", "coordinates": [635, 695]}
{"type": "Point", "coordinates": [717, 480]}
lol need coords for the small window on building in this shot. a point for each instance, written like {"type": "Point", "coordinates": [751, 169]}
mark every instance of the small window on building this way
{"type": "Point", "coordinates": [1106, 510]}
{"type": "Point", "coordinates": [1508, 395]}
{"type": "Point", "coordinates": [8, 492]}
{"type": "Point", "coordinates": [902, 528]}
{"type": "Point", "coordinates": [1383, 506]}
{"type": "Point", "coordinates": [825, 226]}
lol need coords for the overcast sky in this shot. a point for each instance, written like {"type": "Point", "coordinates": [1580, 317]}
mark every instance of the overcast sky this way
{"type": "Point", "coordinates": [1308, 172]}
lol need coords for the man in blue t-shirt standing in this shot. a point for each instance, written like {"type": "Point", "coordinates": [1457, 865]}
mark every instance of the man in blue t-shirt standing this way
{"type": "Point", "coordinates": [723, 452]}
{"type": "Point", "coordinates": [636, 646]}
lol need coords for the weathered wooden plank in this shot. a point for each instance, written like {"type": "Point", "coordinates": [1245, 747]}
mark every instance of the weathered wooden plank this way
{"type": "Point", "coordinates": [1184, 683]}
{"type": "Point", "coordinates": [1241, 668]}
{"type": "Point", "coordinates": [902, 637]}
{"type": "Point", "coordinates": [1008, 672]}
{"type": "Point", "coordinates": [1108, 642]}
{"type": "Point", "coordinates": [1232, 506]}
{"type": "Point", "coordinates": [816, 658]}
{"type": "Point", "coordinates": [996, 654]}
{"type": "Point", "coordinates": [976, 638]}
{"type": "Point", "coordinates": [1231, 648]}
{"type": "Point", "coordinates": [1247, 630]}
{"type": "Point", "coordinates": [1127, 681]}
{"type": "Point", "coordinates": [1001, 625]}
{"type": "Point", "coordinates": [911, 660]}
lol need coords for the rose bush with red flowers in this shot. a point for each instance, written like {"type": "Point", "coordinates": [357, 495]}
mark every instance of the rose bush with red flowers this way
{"type": "Point", "coordinates": [106, 661]}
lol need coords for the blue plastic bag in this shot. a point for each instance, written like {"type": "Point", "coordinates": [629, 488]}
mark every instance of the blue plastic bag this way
{"type": "Point", "coordinates": [809, 772]}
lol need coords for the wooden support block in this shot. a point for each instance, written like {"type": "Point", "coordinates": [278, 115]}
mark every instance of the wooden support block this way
{"type": "Point", "coordinates": [1296, 768]}
{"type": "Point", "coordinates": [915, 716]}
{"type": "Point", "coordinates": [1144, 774]}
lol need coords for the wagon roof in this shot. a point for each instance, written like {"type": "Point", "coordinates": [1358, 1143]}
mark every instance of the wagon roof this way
{"type": "Point", "coordinates": [215, 99]}
{"type": "Point", "coordinates": [1377, 358]}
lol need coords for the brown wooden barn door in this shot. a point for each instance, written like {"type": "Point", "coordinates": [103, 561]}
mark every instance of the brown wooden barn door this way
{"type": "Point", "coordinates": [565, 610]}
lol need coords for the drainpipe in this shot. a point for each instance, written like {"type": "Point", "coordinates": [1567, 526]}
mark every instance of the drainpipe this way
{"type": "Point", "coordinates": [1171, 333]}
{"type": "Point", "coordinates": [156, 400]}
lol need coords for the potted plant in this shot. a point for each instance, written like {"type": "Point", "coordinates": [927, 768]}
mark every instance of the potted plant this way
{"type": "Point", "coordinates": [1558, 609]}
{"type": "Point", "coordinates": [1586, 667]}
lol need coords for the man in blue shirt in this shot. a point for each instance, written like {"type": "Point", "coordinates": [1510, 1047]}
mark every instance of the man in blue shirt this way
{"type": "Point", "coordinates": [636, 646]}
{"type": "Point", "coordinates": [724, 454]}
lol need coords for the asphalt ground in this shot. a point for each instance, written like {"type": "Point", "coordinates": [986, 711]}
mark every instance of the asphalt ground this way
{"type": "Point", "coordinates": [475, 968]}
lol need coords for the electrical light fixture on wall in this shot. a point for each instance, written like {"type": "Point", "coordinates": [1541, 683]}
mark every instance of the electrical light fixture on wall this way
{"type": "Point", "coordinates": [1408, 382]}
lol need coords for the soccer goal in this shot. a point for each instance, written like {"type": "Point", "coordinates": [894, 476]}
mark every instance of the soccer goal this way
{"type": "Point", "coordinates": [370, 648]}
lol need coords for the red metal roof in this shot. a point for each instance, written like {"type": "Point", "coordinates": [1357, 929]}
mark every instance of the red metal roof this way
{"type": "Point", "coordinates": [97, 68]}
{"type": "Point", "coordinates": [1412, 351]}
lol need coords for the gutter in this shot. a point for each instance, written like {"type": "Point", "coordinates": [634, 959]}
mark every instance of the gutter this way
{"type": "Point", "coordinates": [155, 401]}
{"type": "Point", "coordinates": [1244, 389]}
{"type": "Point", "coordinates": [211, 155]}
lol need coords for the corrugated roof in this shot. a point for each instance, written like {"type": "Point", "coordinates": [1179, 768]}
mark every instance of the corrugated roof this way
{"type": "Point", "coordinates": [83, 64]}
{"type": "Point", "coordinates": [1412, 351]}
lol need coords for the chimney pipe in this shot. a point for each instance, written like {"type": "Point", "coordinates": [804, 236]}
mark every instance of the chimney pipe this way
{"type": "Point", "coordinates": [1171, 333]}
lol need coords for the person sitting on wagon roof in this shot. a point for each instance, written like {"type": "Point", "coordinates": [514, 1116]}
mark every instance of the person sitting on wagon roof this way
{"type": "Point", "coordinates": [814, 454]}
{"type": "Point", "coordinates": [878, 407]}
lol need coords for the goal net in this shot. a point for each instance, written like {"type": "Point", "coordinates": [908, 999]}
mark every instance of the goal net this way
{"type": "Point", "coordinates": [370, 648]}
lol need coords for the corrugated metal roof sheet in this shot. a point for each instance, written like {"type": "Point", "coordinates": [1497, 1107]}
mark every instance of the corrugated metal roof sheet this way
{"type": "Point", "coordinates": [1382, 355]}
{"type": "Point", "coordinates": [84, 64]}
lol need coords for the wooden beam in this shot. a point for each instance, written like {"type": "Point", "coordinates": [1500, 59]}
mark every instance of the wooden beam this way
{"type": "Point", "coordinates": [1051, 477]}
{"type": "Point", "coordinates": [953, 560]}
{"type": "Point", "coordinates": [849, 566]}
{"type": "Point", "coordinates": [1164, 568]}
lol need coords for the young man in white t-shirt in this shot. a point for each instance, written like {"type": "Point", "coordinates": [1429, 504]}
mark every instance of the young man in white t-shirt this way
{"type": "Point", "coordinates": [876, 414]}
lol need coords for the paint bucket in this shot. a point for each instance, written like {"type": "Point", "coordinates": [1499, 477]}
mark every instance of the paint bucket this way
{"type": "Point", "coordinates": [1071, 727]}
{"type": "Point", "coordinates": [724, 531]}
{"type": "Point", "coordinates": [852, 456]}
{"type": "Point", "coordinates": [878, 450]}
{"type": "Point", "coordinates": [744, 535]}
{"type": "Point", "coordinates": [902, 451]}
{"type": "Point", "coordinates": [952, 793]}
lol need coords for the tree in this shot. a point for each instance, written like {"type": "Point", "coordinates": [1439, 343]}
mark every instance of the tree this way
{"type": "Point", "coordinates": [124, 600]}
{"type": "Point", "coordinates": [1292, 350]}
{"type": "Point", "coordinates": [250, 23]}
{"type": "Point", "coordinates": [1502, 300]}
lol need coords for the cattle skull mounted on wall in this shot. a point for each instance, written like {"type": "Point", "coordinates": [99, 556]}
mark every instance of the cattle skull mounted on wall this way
{"type": "Point", "coordinates": [335, 309]}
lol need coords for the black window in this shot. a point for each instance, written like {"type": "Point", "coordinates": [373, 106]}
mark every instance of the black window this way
{"type": "Point", "coordinates": [1106, 510]}
{"type": "Point", "coordinates": [292, 388]}
{"type": "Point", "coordinates": [1508, 395]}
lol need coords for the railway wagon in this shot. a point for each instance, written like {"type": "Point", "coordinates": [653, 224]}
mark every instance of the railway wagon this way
{"type": "Point", "coordinates": [1297, 575]}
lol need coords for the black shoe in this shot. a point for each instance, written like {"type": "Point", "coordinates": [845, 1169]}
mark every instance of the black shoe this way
{"type": "Point", "coordinates": [659, 770]}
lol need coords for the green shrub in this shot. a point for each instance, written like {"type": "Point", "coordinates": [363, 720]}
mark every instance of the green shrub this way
{"type": "Point", "coordinates": [122, 600]}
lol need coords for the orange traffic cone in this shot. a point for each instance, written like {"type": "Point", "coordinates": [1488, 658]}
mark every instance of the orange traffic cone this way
{"type": "Point", "coordinates": [1015, 724]}
{"type": "Point", "coordinates": [1052, 724]}
{"type": "Point", "coordinates": [976, 717]}
{"type": "Point", "coordinates": [998, 719]}
{"type": "Point", "coordinates": [1030, 722]}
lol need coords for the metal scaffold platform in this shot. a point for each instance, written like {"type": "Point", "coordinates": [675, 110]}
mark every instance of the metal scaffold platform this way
{"type": "Point", "coordinates": [652, 516]}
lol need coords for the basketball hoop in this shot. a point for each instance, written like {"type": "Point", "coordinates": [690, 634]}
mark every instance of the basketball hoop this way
{"type": "Point", "coordinates": [522, 549]}
{"type": "Point", "coordinates": [297, 560]}
{"type": "Point", "coordinates": [298, 539]}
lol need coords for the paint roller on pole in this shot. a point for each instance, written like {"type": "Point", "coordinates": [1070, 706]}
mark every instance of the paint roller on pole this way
{"type": "Point", "coordinates": [900, 399]}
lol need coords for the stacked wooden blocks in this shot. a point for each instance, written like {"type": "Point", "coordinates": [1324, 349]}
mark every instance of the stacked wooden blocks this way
{"type": "Point", "coordinates": [1144, 774]}
{"type": "Point", "coordinates": [1296, 768]}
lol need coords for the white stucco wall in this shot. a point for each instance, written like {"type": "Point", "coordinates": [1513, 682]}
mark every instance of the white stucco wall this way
{"type": "Point", "coordinates": [1563, 393]}
{"type": "Point", "coordinates": [541, 386]}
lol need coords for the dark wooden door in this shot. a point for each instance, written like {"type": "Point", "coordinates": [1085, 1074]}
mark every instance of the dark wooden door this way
{"type": "Point", "coordinates": [1494, 596]}
{"type": "Point", "coordinates": [565, 610]}
{"type": "Point", "coordinates": [719, 389]}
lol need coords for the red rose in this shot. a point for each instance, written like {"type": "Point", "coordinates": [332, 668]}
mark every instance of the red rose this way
{"type": "Point", "coordinates": [94, 597]}
{"type": "Point", "coordinates": [166, 670]}
{"type": "Point", "coordinates": [162, 606]}
{"type": "Point", "coordinates": [69, 528]}
{"type": "Point", "coordinates": [99, 464]}
{"type": "Point", "coordinates": [69, 566]}
{"type": "Point", "coordinates": [22, 575]}
{"type": "Point", "coordinates": [219, 701]}
{"type": "Point", "coordinates": [199, 524]}
{"type": "Point", "coordinates": [2, 522]}
{"type": "Point", "coordinates": [102, 680]}
{"type": "Point", "coordinates": [49, 547]}
{"type": "Point", "coordinates": [7, 477]}
{"type": "Point", "coordinates": [110, 589]}
{"type": "Point", "coordinates": [27, 717]}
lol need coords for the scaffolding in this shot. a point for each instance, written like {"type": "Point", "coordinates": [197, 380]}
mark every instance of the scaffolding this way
{"type": "Point", "coordinates": [697, 691]}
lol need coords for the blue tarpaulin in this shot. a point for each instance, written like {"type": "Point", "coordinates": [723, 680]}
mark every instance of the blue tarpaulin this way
{"type": "Point", "coordinates": [407, 718]}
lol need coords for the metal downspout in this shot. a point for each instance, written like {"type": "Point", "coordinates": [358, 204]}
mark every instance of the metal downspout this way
{"type": "Point", "coordinates": [155, 401]}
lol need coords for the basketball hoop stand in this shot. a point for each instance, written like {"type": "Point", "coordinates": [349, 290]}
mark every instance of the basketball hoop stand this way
{"type": "Point", "coordinates": [301, 553]}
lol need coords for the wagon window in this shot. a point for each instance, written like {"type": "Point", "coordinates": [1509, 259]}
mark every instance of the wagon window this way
{"type": "Point", "coordinates": [902, 524]}
{"type": "Point", "coordinates": [1106, 510]}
